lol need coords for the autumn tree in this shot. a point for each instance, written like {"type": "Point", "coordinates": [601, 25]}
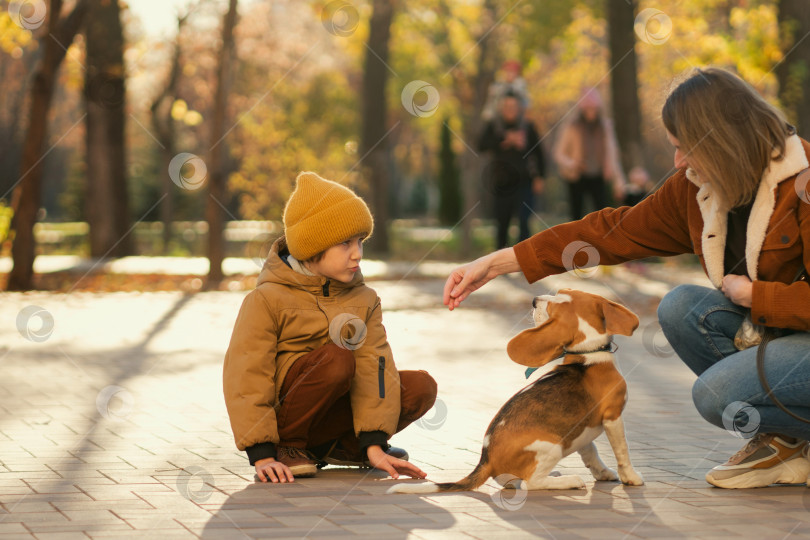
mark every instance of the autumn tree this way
{"type": "Point", "coordinates": [793, 71]}
{"type": "Point", "coordinates": [373, 143]}
{"type": "Point", "coordinates": [471, 86]}
{"type": "Point", "coordinates": [59, 34]}
{"type": "Point", "coordinates": [164, 125]}
{"type": "Point", "coordinates": [624, 81]}
{"type": "Point", "coordinates": [449, 189]}
{"type": "Point", "coordinates": [107, 206]}
{"type": "Point", "coordinates": [215, 203]}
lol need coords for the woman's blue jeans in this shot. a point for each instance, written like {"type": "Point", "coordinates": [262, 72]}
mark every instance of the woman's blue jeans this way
{"type": "Point", "coordinates": [700, 324]}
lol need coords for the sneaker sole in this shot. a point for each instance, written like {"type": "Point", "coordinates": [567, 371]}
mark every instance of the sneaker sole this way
{"type": "Point", "coordinates": [345, 463]}
{"type": "Point", "coordinates": [304, 471]}
{"type": "Point", "coordinates": [794, 471]}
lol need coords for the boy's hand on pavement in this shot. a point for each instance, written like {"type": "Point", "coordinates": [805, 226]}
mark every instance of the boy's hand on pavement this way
{"type": "Point", "coordinates": [275, 471]}
{"type": "Point", "coordinates": [393, 466]}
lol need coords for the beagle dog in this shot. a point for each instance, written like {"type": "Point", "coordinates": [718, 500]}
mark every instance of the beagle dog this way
{"type": "Point", "coordinates": [564, 410]}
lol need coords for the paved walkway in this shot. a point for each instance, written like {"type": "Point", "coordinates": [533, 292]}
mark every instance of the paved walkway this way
{"type": "Point", "coordinates": [113, 425]}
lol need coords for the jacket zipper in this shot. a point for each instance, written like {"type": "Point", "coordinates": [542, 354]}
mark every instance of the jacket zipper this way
{"type": "Point", "coordinates": [325, 288]}
{"type": "Point", "coordinates": [381, 376]}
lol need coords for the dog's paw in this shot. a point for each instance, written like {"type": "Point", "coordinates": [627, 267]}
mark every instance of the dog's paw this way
{"type": "Point", "coordinates": [630, 477]}
{"type": "Point", "coordinates": [605, 475]}
{"type": "Point", "coordinates": [576, 482]}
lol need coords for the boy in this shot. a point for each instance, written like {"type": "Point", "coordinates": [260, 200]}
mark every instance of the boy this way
{"type": "Point", "coordinates": [309, 378]}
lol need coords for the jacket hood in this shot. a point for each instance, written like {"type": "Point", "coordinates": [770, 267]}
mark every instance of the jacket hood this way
{"type": "Point", "coordinates": [276, 270]}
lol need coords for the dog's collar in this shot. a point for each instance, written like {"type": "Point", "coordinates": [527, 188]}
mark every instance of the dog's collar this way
{"type": "Point", "coordinates": [610, 347]}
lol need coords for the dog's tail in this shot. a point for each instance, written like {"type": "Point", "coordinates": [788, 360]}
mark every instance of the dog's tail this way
{"type": "Point", "coordinates": [477, 477]}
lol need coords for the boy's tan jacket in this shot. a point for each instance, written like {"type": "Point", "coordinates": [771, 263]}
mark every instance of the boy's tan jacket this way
{"type": "Point", "coordinates": [288, 315]}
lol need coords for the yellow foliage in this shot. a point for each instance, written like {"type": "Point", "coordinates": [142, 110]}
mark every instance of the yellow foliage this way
{"type": "Point", "coordinates": [13, 38]}
{"type": "Point", "coordinates": [179, 109]}
{"type": "Point", "coordinates": [193, 118]}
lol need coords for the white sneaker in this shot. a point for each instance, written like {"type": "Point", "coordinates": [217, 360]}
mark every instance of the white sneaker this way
{"type": "Point", "coordinates": [766, 459]}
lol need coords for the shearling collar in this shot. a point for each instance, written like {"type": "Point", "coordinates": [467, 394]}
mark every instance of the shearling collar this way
{"type": "Point", "coordinates": [275, 270]}
{"type": "Point", "coordinates": [715, 212]}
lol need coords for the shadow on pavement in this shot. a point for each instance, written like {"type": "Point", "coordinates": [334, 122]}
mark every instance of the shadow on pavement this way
{"type": "Point", "coordinates": [339, 502]}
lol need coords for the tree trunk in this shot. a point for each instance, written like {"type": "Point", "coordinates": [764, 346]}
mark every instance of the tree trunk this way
{"type": "Point", "coordinates": [164, 127]}
{"type": "Point", "coordinates": [373, 138]}
{"type": "Point", "coordinates": [471, 163]}
{"type": "Point", "coordinates": [107, 207]}
{"type": "Point", "coordinates": [449, 190]}
{"type": "Point", "coordinates": [27, 193]}
{"type": "Point", "coordinates": [216, 158]}
{"type": "Point", "coordinates": [794, 70]}
{"type": "Point", "coordinates": [623, 81]}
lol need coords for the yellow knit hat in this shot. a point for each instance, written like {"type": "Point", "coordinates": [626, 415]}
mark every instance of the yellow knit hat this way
{"type": "Point", "coordinates": [321, 214]}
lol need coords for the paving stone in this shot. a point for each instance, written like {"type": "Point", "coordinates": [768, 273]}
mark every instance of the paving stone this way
{"type": "Point", "coordinates": [68, 471]}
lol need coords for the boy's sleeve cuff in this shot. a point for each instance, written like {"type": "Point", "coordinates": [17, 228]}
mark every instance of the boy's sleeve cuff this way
{"type": "Point", "coordinates": [370, 438]}
{"type": "Point", "coordinates": [260, 451]}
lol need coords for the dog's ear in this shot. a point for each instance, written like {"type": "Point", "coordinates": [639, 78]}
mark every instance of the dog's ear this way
{"type": "Point", "coordinates": [540, 345]}
{"type": "Point", "coordinates": [618, 319]}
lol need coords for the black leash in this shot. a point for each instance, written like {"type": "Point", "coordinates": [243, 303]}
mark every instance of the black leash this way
{"type": "Point", "coordinates": [767, 336]}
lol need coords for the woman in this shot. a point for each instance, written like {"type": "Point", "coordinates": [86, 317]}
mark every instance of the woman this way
{"type": "Point", "coordinates": [739, 202]}
{"type": "Point", "coordinates": [588, 157]}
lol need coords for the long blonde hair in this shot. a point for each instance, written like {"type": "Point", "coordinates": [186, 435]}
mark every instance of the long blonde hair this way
{"type": "Point", "coordinates": [730, 132]}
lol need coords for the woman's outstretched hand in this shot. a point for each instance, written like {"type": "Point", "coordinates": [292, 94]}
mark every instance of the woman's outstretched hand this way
{"type": "Point", "coordinates": [472, 276]}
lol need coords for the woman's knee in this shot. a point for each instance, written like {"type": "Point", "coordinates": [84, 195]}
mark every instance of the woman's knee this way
{"type": "Point", "coordinates": [678, 305]}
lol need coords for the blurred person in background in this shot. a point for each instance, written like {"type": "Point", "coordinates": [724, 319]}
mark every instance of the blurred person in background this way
{"type": "Point", "coordinates": [516, 168]}
{"type": "Point", "coordinates": [587, 156]}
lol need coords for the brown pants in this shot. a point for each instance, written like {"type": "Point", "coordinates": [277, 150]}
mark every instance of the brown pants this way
{"type": "Point", "coordinates": [315, 405]}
